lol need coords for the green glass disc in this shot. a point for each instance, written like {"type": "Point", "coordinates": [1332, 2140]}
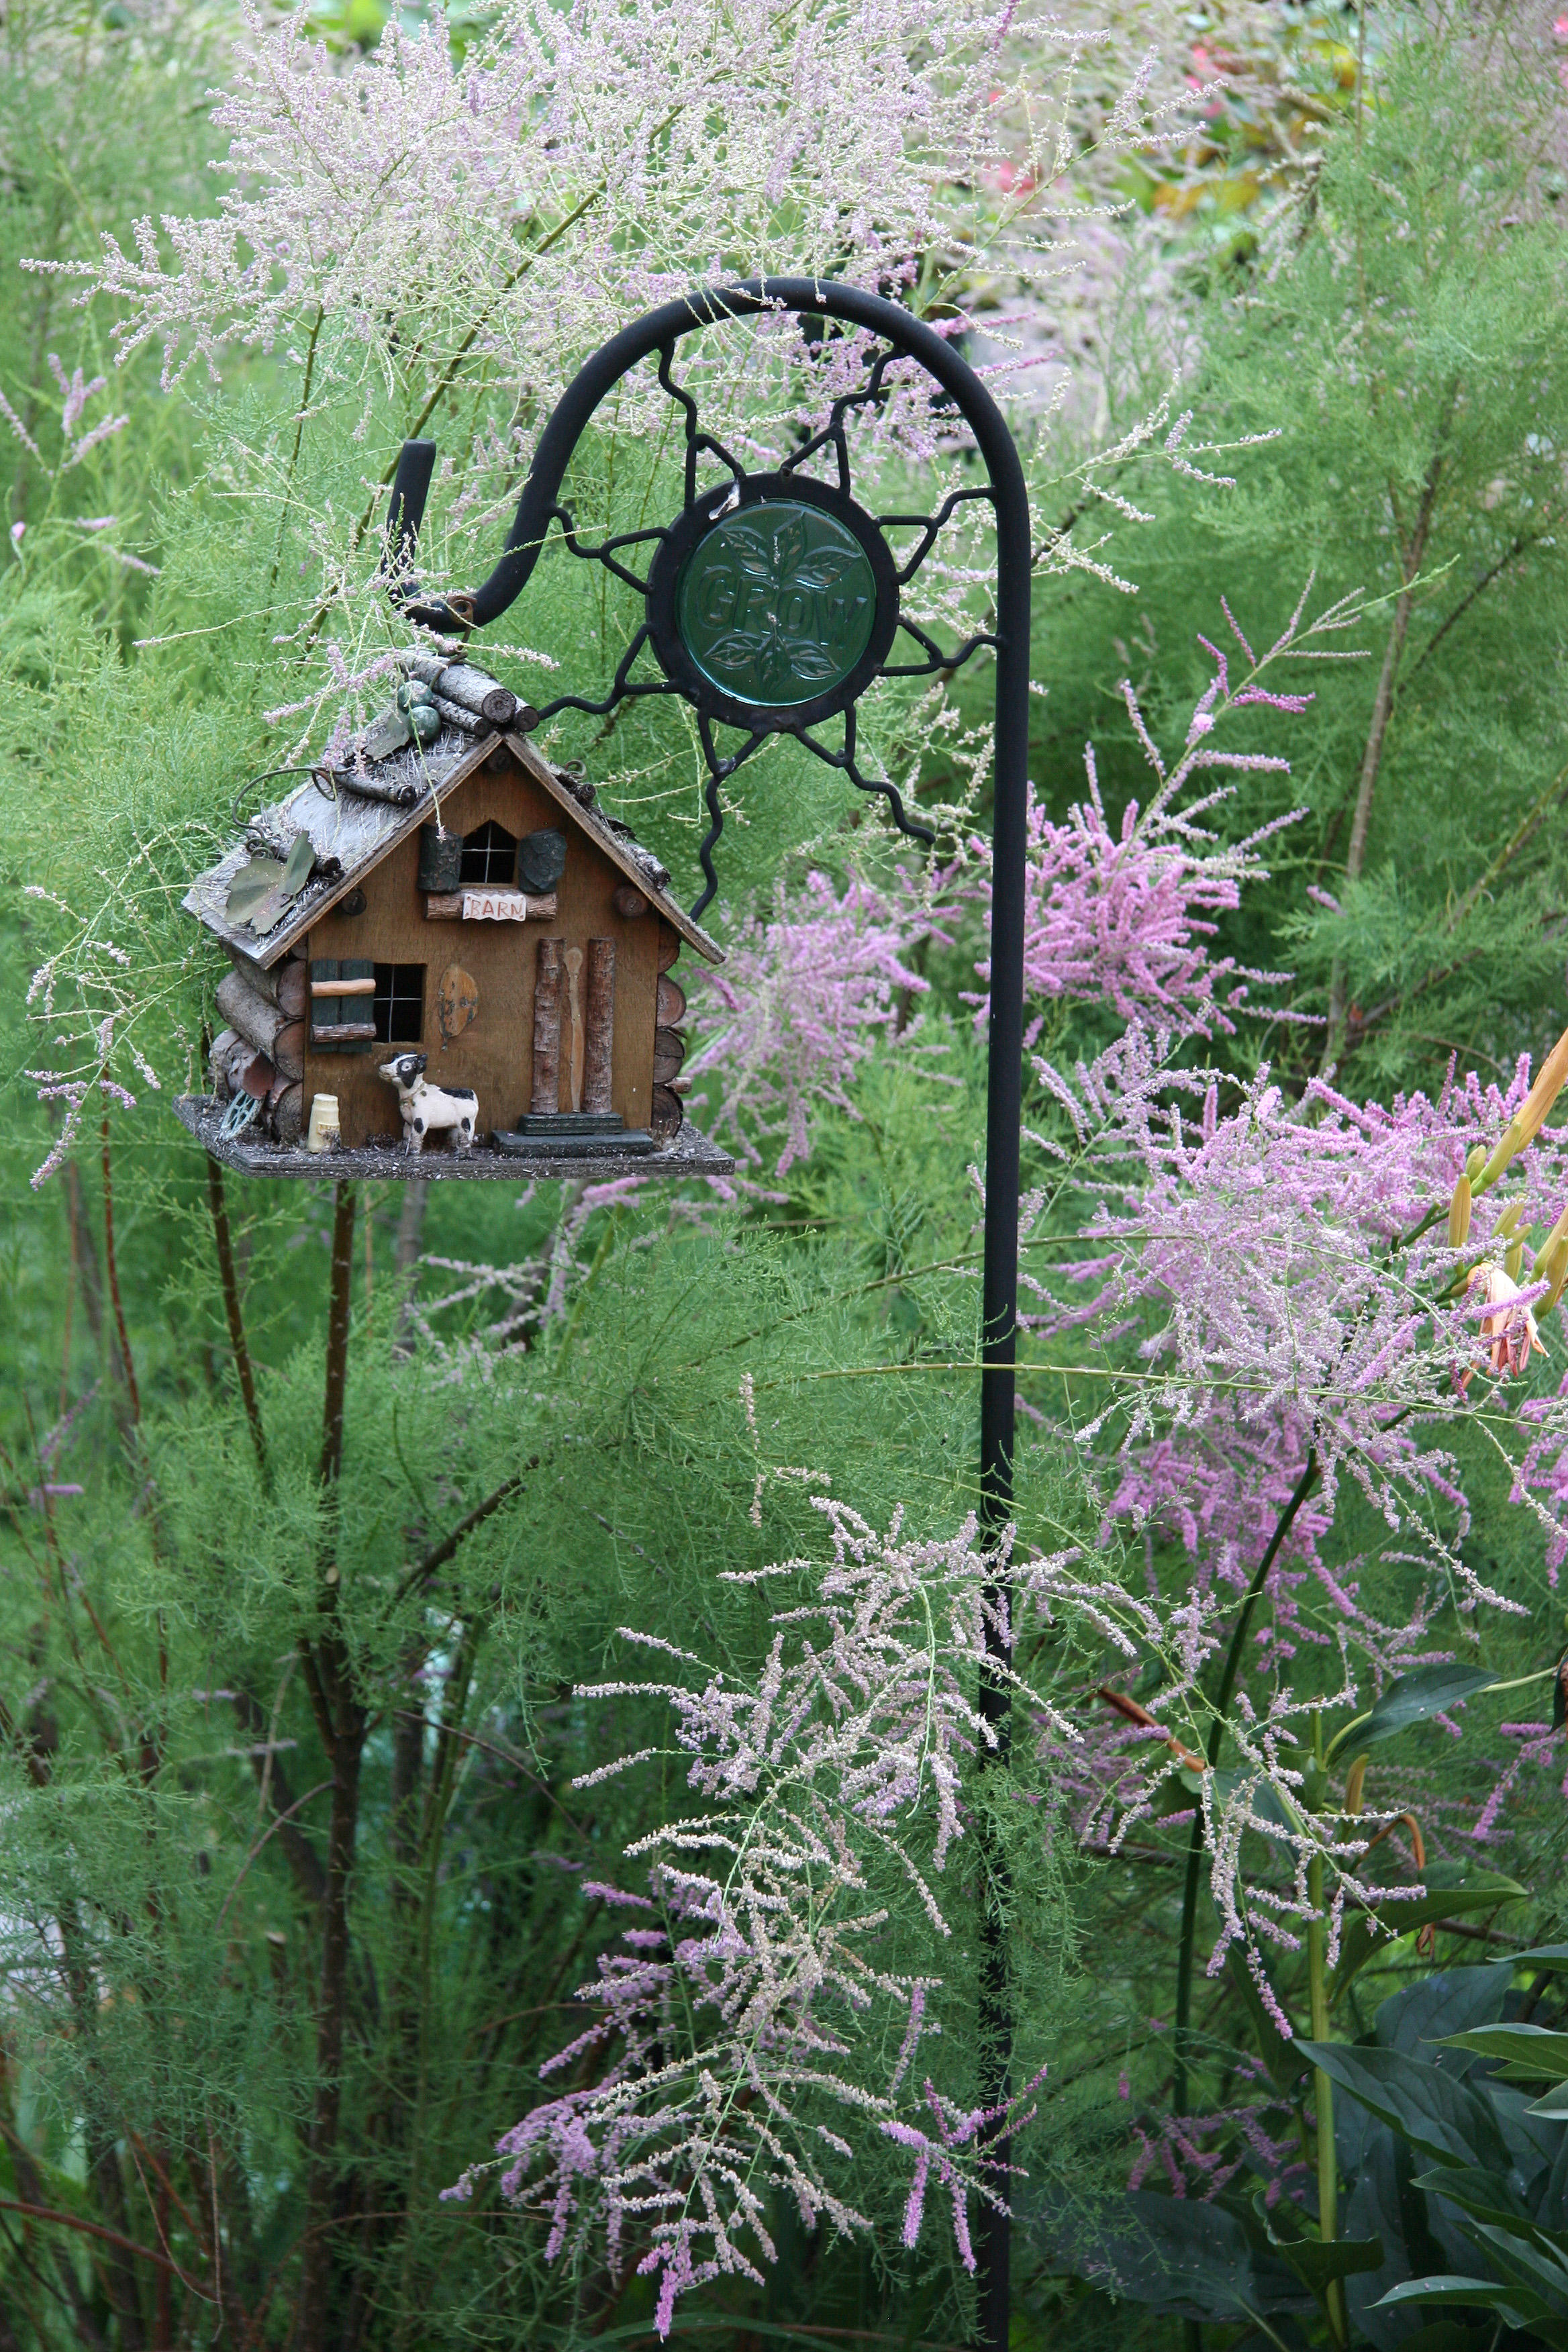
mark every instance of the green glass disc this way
{"type": "Point", "coordinates": [776, 603]}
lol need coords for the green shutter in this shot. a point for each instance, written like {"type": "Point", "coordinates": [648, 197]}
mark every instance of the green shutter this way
{"type": "Point", "coordinates": [340, 1012]}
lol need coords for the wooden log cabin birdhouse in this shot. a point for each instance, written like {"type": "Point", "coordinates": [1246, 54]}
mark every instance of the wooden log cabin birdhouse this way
{"type": "Point", "coordinates": [446, 960]}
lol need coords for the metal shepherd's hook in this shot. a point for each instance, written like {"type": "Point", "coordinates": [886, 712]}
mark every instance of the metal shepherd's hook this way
{"type": "Point", "coordinates": [777, 698]}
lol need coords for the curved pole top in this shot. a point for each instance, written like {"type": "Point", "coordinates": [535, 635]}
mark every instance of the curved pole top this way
{"type": "Point", "coordinates": [823, 297]}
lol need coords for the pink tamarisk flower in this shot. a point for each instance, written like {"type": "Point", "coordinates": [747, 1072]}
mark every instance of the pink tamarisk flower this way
{"type": "Point", "coordinates": [741, 2017]}
{"type": "Point", "coordinates": [805, 994]}
{"type": "Point", "coordinates": [956, 2129]}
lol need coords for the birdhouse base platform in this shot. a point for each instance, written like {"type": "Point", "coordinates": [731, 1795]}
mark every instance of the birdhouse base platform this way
{"type": "Point", "coordinates": [688, 1154]}
{"type": "Point", "coordinates": [524, 1142]}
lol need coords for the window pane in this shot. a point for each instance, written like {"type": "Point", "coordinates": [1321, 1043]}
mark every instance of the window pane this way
{"type": "Point", "coordinates": [399, 1004]}
{"type": "Point", "coordinates": [489, 858]}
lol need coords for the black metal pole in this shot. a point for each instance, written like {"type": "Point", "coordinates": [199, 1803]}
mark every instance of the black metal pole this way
{"type": "Point", "coordinates": [999, 1287]}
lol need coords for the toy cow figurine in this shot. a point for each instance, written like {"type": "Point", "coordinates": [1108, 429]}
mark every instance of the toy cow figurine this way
{"type": "Point", "coordinates": [427, 1109]}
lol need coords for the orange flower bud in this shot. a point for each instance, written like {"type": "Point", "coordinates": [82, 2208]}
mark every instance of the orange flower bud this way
{"type": "Point", "coordinates": [1528, 1119]}
{"type": "Point", "coordinates": [1459, 1214]}
{"type": "Point", "coordinates": [1511, 1143]}
{"type": "Point", "coordinates": [1546, 1090]}
{"type": "Point", "coordinates": [1557, 1275]}
{"type": "Point", "coordinates": [1559, 1233]}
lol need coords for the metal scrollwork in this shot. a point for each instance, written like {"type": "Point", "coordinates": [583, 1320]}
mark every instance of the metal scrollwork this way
{"type": "Point", "coordinates": [771, 602]}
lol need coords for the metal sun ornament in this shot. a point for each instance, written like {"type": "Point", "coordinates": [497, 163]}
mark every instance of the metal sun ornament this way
{"type": "Point", "coordinates": [771, 604]}
{"type": "Point", "coordinates": [772, 601]}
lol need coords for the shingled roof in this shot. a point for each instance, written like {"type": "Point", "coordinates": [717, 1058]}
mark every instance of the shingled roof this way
{"type": "Point", "coordinates": [354, 815]}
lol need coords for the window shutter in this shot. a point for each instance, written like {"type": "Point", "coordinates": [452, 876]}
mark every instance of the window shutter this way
{"type": "Point", "coordinates": [440, 858]}
{"type": "Point", "coordinates": [340, 1024]}
{"type": "Point", "coordinates": [540, 861]}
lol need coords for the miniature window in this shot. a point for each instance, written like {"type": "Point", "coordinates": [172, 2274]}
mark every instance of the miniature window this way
{"type": "Point", "coordinates": [489, 858]}
{"type": "Point", "coordinates": [398, 1004]}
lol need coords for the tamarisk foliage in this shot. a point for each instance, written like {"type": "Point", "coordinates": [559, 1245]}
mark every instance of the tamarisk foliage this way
{"type": "Point", "coordinates": [488, 1674]}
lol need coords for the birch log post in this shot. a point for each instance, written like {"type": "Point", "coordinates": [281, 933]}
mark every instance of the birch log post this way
{"type": "Point", "coordinates": [475, 692]}
{"type": "Point", "coordinates": [546, 1095]}
{"type": "Point", "coordinates": [599, 1040]}
{"type": "Point", "coordinates": [574, 1029]}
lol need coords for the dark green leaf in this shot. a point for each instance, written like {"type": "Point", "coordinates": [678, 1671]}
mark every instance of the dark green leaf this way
{"type": "Point", "coordinates": [1283, 2059]}
{"type": "Point", "coordinates": [1483, 1892]}
{"type": "Point", "coordinates": [1554, 2104]}
{"type": "Point", "coordinates": [1438, 2113]}
{"type": "Point", "coordinates": [1416, 1697]}
{"type": "Point", "coordinates": [1486, 2194]}
{"type": "Point", "coordinates": [1479, 2294]}
{"type": "Point", "coordinates": [1262, 1796]}
{"type": "Point", "coordinates": [1317, 2265]}
{"type": "Point", "coordinates": [1540, 1956]}
{"type": "Point", "coordinates": [1178, 2255]}
{"type": "Point", "coordinates": [1450, 2336]}
{"type": "Point", "coordinates": [1532, 2263]}
{"type": "Point", "coordinates": [1528, 2052]}
{"type": "Point", "coordinates": [1532, 2142]}
{"type": "Point", "coordinates": [1383, 2203]}
{"type": "Point", "coordinates": [1450, 2001]}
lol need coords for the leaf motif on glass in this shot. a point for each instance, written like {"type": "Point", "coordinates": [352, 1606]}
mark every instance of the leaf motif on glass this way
{"type": "Point", "coordinates": [790, 597]}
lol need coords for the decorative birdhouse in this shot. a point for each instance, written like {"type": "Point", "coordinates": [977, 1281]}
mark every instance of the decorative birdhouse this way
{"type": "Point", "coordinates": [446, 961]}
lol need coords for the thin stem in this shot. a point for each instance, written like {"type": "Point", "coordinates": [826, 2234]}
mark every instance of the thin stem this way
{"type": "Point", "coordinates": [439, 1554]}
{"type": "Point", "coordinates": [1318, 1981]}
{"type": "Point", "coordinates": [114, 1266]}
{"type": "Point", "coordinates": [294, 453]}
{"type": "Point", "coordinates": [450, 374]}
{"type": "Point", "coordinates": [273, 1826]}
{"type": "Point", "coordinates": [228, 1277]}
{"type": "Point", "coordinates": [1223, 1697]}
{"type": "Point", "coordinates": [1412, 555]}
{"type": "Point", "coordinates": [338, 1332]}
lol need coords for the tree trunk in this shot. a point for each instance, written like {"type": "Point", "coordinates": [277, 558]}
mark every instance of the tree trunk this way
{"type": "Point", "coordinates": [405, 1254]}
{"type": "Point", "coordinates": [342, 1721]}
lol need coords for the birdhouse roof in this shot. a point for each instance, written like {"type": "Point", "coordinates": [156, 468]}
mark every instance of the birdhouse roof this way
{"type": "Point", "coordinates": [353, 817]}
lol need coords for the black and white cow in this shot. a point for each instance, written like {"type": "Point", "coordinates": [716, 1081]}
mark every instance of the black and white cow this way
{"type": "Point", "coordinates": [427, 1109]}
